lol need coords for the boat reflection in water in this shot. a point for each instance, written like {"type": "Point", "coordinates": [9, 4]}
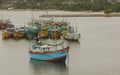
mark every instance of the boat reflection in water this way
{"type": "Point", "coordinates": [45, 68]}
{"type": "Point", "coordinates": [74, 44]}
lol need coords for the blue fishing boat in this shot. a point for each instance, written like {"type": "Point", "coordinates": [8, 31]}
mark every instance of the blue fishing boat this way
{"type": "Point", "coordinates": [49, 52]}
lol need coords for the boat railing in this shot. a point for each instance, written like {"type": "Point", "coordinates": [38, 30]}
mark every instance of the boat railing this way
{"type": "Point", "coordinates": [47, 46]}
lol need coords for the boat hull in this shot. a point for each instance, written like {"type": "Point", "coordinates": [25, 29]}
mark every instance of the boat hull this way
{"type": "Point", "coordinates": [72, 37]}
{"type": "Point", "coordinates": [43, 34]}
{"type": "Point", "coordinates": [3, 25]}
{"type": "Point", "coordinates": [30, 33]}
{"type": "Point", "coordinates": [58, 56]}
{"type": "Point", "coordinates": [60, 59]}
{"type": "Point", "coordinates": [6, 35]}
{"type": "Point", "coordinates": [18, 35]}
{"type": "Point", "coordinates": [55, 36]}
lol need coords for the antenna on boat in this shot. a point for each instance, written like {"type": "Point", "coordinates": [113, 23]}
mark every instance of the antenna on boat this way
{"type": "Point", "coordinates": [52, 18]}
{"type": "Point", "coordinates": [63, 18]}
{"type": "Point", "coordinates": [76, 29]}
{"type": "Point", "coordinates": [47, 15]}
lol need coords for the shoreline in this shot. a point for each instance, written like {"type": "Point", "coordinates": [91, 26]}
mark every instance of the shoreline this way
{"type": "Point", "coordinates": [81, 15]}
{"type": "Point", "coordinates": [62, 13]}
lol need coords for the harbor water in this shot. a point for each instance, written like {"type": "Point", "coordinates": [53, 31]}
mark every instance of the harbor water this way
{"type": "Point", "coordinates": [96, 53]}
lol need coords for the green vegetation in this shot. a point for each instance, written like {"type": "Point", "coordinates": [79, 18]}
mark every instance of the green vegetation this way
{"type": "Point", "coordinates": [108, 9]}
{"type": "Point", "coordinates": [116, 7]}
{"type": "Point", "coordinates": [69, 5]}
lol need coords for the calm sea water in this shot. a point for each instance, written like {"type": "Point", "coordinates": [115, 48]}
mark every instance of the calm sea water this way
{"type": "Point", "coordinates": [96, 53]}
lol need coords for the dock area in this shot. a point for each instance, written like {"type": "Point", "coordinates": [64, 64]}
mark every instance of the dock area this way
{"type": "Point", "coordinates": [82, 15]}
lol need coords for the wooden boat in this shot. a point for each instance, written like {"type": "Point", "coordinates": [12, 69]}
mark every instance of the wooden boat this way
{"type": "Point", "coordinates": [49, 52]}
{"type": "Point", "coordinates": [63, 33]}
{"type": "Point", "coordinates": [19, 33]}
{"type": "Point", "coordinates": [43, 34]}
{"type": "Point", "coordinates": [9, 32]}
{"type": "Point", "coordinates": [55, 35]}
{"type": "Point", "coordinates": [72, 36]}
{"type": "Point", "coordinates": [4, 23]}
{"type": "Point", "coordinates": [6, 35]}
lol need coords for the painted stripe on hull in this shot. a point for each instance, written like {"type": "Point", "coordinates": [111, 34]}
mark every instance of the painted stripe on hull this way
{"type": "Point", "coordinates": [49, 56]}
{"type": "Point", "coordinates": [56, 56]}
{"type": "Point", "coordinates": [60, 59]}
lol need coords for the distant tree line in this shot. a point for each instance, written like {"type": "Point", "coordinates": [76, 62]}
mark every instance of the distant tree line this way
{"type": "Point", "coordinates": [70, 5]}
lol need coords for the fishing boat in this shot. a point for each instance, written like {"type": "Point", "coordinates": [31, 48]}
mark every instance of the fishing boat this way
{"type": "Point", "coordinates": [30, 33]}
{"type": "Point", "coordinates": [8, 33]}
{"type": "Point", "coordinates": [43, 34]}
{"type": "Point", "coordinates": [63, 33]}
{"type": "Point", "coordinates": [19, 33]}
{"type": "Point", "coordinates": [32, 30]}
{"type": "Point", "coordinates": [54, 33]}
{"type": "Point", "coordinates": [4, 23]}
{"type": "Point", "coordinates": [49, 52]}
{"type": "Point", "coordinates": [72, 35]}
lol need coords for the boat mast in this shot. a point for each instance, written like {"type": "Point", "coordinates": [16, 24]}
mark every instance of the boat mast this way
{"type": "Point", "coordinates": [56, 44]}
{"type": "Point", "coordinates": [32, 16]}
{"type": "Point", "coordinates": [76, 29]}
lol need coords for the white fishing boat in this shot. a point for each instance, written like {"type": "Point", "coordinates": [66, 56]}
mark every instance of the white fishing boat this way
{"type": "Point", "coordinates": [72, 35]}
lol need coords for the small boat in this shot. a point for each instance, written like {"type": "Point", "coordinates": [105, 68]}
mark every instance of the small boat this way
{"type": "Point", "coordinates": [8, 33]}
{"type": "Point", "coordinates": [30, 34]}
{"type": "Point", "coordinates": [54, 33]}
{"type": "Point", "coordinates": [4, 24]}
{"type": "Point", "coordinates": [49, 52]}
{"type": "Point", "coordinates": [64, 32]}
{"type": "Point", "coordinates": [19, 33]}
{"type": "Point", "coordinates": [32, 30]}
{"type": "Point", "coordinates": [43, 34]}
{"type": "Point", "coordinates": [72, 35]}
